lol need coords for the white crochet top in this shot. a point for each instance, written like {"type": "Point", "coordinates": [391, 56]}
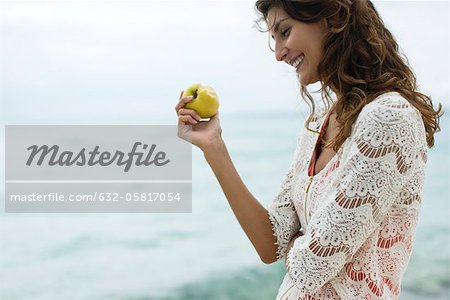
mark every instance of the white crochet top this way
{"type": "Point", "coordinates": [359, 213]}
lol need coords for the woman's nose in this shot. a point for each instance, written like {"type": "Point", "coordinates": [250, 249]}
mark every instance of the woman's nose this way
{"type": "Point", "coordinates": [280, 54]}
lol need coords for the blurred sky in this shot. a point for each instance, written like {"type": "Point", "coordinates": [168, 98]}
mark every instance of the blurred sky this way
{"type": "Point", "coordinates": [111, 62]}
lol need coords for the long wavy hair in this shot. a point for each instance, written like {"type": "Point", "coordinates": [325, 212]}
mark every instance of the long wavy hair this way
{"type": "Point", "coordinates": [369, 63]}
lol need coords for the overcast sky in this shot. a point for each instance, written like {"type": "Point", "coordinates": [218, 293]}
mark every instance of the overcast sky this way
{"type": "Point", "coordinates": [101, 61]}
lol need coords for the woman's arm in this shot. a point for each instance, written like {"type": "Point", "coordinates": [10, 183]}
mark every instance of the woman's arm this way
{"type": "Point", "coordinates": [251, 215]}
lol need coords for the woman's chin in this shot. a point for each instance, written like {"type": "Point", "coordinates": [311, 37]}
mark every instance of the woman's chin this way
{"type": "Point", "coordinates": [305, 80]}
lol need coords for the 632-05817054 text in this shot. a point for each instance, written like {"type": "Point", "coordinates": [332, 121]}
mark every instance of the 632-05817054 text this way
{"type": "Point", "coordinates": [97, 196]}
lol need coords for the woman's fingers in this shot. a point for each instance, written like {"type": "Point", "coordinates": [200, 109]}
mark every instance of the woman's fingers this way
{"type": "Point", "coordinates": [186, 119]}
{"type": "Point", "coordinates": [182, 101]}
{"type": "Point", "coordinates": [191, 112]}
{"type": "Point", "coordinates": [186, 116]}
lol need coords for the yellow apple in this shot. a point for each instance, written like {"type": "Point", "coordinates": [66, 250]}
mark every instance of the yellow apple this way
{"type": "Point", "coordinates": [205, 101]}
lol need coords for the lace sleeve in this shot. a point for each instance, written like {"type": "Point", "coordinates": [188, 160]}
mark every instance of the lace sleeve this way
{"type": "Point", "coordinates": [376, 163]}
{"type": "Point", "coordinates": [282, 213]}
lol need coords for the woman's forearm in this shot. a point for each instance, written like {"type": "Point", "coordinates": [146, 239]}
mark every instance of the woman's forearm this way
{"type": "Point", "coordinates": [252, 216]}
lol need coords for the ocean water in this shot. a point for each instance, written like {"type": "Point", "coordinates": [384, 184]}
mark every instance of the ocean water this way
{"type": "Point", "coordinates": [203, 254]}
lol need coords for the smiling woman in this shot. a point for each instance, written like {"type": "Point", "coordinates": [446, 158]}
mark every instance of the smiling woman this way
{"type": "Point", "coordinates": [306, 36]}
{"type": "Point", "coordinates": [345, 217]}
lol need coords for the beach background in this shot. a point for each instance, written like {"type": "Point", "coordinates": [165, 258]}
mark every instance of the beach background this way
{"type": "Point", "coordinates": [125, 62]}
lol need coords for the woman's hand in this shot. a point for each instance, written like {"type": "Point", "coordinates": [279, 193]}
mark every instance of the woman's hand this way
{"type": "Point", "coordinates": [203, 133]}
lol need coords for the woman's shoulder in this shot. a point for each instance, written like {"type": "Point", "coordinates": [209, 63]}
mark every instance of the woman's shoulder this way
{"type": "Point", "coordinates": [387, 123]}
{"type": "Point", "coordinates": [390, 119]}
{"type": "Point", "coordinates": [390, 107]}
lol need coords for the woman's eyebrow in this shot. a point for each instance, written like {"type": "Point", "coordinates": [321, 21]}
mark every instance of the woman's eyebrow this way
{"type": "Point", "coordinates": [277, 24]}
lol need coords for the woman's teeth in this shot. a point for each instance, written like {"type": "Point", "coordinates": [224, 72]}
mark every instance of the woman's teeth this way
{"type": "Point", "coordinates": [298, 61]}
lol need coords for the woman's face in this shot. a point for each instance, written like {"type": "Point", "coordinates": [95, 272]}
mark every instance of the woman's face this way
{"type": "Point", "coordinates": [298, 44]}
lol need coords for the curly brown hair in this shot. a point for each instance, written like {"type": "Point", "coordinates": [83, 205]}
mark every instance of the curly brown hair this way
{"type": "Point", "coordinates": [369, 64]}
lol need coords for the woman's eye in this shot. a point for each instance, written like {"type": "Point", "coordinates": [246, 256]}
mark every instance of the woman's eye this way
{"type": "Point", "coordinates": [285, 32]}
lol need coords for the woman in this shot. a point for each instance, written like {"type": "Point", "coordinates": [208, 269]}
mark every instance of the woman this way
{"type": "Point", "coordinates": [345, 216]}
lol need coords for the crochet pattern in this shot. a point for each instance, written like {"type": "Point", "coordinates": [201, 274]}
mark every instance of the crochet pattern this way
{"type": "Point", "coordinates": [360, 212]}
